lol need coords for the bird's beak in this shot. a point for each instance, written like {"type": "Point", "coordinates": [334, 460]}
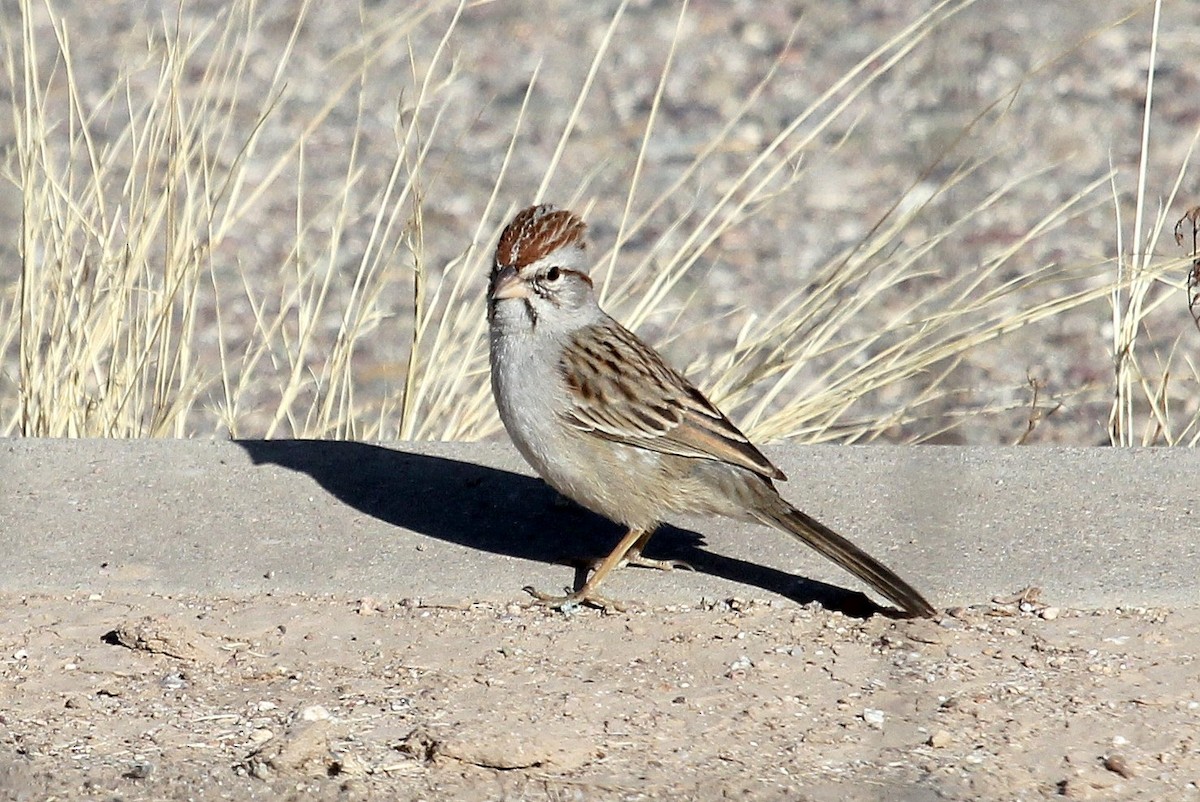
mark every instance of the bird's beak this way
{"type": "Point", "coordinates": [507, 284]}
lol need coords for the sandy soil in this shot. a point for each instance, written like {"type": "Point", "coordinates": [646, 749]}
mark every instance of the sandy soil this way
{"type": "Point", "coordinates": [147, 697]}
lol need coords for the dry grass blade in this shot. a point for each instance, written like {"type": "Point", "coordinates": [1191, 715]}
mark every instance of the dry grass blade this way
{"type": "Point", "coordinates": [127, 245]}
{"type": "Point", "coordinates": [647, 285]}
{"type": "Point", "coordinates": [153, 300]}
{"type": "Point", "coordinates": [1147, 374]}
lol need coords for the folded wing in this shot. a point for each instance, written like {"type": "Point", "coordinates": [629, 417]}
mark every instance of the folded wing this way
{"type": "Point", "coordinates": [625, 393]}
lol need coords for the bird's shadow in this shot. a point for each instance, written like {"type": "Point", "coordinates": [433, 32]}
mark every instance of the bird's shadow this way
{"type": "Point", "coordinates": [508, 513]}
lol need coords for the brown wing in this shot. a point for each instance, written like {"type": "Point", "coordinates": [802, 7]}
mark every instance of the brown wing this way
{"type": "Point", "coordinates": [624, 392]}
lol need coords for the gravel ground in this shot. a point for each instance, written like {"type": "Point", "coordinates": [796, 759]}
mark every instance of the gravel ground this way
{"type": "Point", "coordinates": [148, 697]}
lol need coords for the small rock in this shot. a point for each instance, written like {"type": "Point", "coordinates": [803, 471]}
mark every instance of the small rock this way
{"type": "Point", "coordinates": [314, 713]}
{"type": "Point", "coordinates": [173, 681]}
{"type": "Point", "coordinates": [873, 717]}
{"type": "Point", "coordinates": [77, 703]}
{"type": "Point", "coordinates": [302, 750]}
{"type": "Point", "coordinates": [1117, 764]}
{"type": "Point", "coordinates": [160, 637]}
{"type": "Point", "coordinates": [940, 739]}
{"type": "Point", "coordinates": [350, 766]}
{"type": "Point", "coordinates": [1049, 613]}
{"type": "Point", "coordinates": [739, 667]}
{"type": "Point", "coordinates": [261, 736]}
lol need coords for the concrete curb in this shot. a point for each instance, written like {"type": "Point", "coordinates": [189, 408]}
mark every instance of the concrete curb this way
{"type": "Point", "coordinates": [448, 522]}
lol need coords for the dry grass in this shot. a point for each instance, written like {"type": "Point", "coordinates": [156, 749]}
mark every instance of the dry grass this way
{"type": "Point", "coordinates": [1156, 381]}
{"type": "Point", "coordinates": [118, 240]}
{"type": "Point", "coordinates": [103, 332]}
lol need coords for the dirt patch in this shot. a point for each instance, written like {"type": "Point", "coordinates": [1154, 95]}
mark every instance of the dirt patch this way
{"type": "Point", "coordinates": [323, 697]}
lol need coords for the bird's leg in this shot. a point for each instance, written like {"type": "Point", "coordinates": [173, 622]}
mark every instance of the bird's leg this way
{"type": "Point", "coordinates": [587, 594]}
{"type": "Point", "coordinates": [634, 557]}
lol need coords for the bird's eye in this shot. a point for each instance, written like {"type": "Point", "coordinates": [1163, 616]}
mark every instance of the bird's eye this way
{"type": "Point", "coordinates": [553, 274]}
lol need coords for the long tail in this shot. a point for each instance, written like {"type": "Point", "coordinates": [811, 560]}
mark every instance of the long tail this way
{"type": "Point", "coordinates": [851, 557]}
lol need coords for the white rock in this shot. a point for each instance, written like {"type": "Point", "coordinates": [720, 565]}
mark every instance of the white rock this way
{"type": "Point", "coordinates": [873, 717]}
{"type": "Point", "coordinates": [314, 713]}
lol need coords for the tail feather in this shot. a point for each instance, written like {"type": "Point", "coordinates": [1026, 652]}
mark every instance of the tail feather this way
{"type": "Point", "coordinates": [852, 558]}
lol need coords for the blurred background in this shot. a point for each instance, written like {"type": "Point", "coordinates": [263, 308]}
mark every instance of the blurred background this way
{"type": "Point", "coordinates": [848, 222]}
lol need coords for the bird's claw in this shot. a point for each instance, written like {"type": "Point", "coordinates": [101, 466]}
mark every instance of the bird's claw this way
{"type": "Point", "coordinates": [636, 559]}
{"type": "Point", "coordinates": [573, 600]}
{"type": "Point", "coordinates": [658, 565]}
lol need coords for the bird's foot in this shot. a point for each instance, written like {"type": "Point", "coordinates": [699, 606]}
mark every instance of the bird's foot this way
{"type": "Point", "coordinates": [574, 600]}
{"type": "Point", "coordinates": [635, 558]}
{"type": "Point", "coordinates": [658, 565]}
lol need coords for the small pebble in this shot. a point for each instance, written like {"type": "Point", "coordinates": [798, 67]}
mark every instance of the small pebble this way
{"type": "Point", "coordinates": [873, 717]}
{"type": "Point", "coordinates": [741, 664]}
{"type": "Point", "coordinates": [1118, 765]}
{"type": "Point", "coordinates": [1049, 613]}
{"type": "Point", "coordinates": [314, 713]}
{"type": "Point", "coordinates": [261, 736]}
{"type": "Point", "coordinates": [351, 766]}
{"type": "Point", "coordinates": [173, 681]}
{"type": "Point", "coordinates": [940, 739]}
